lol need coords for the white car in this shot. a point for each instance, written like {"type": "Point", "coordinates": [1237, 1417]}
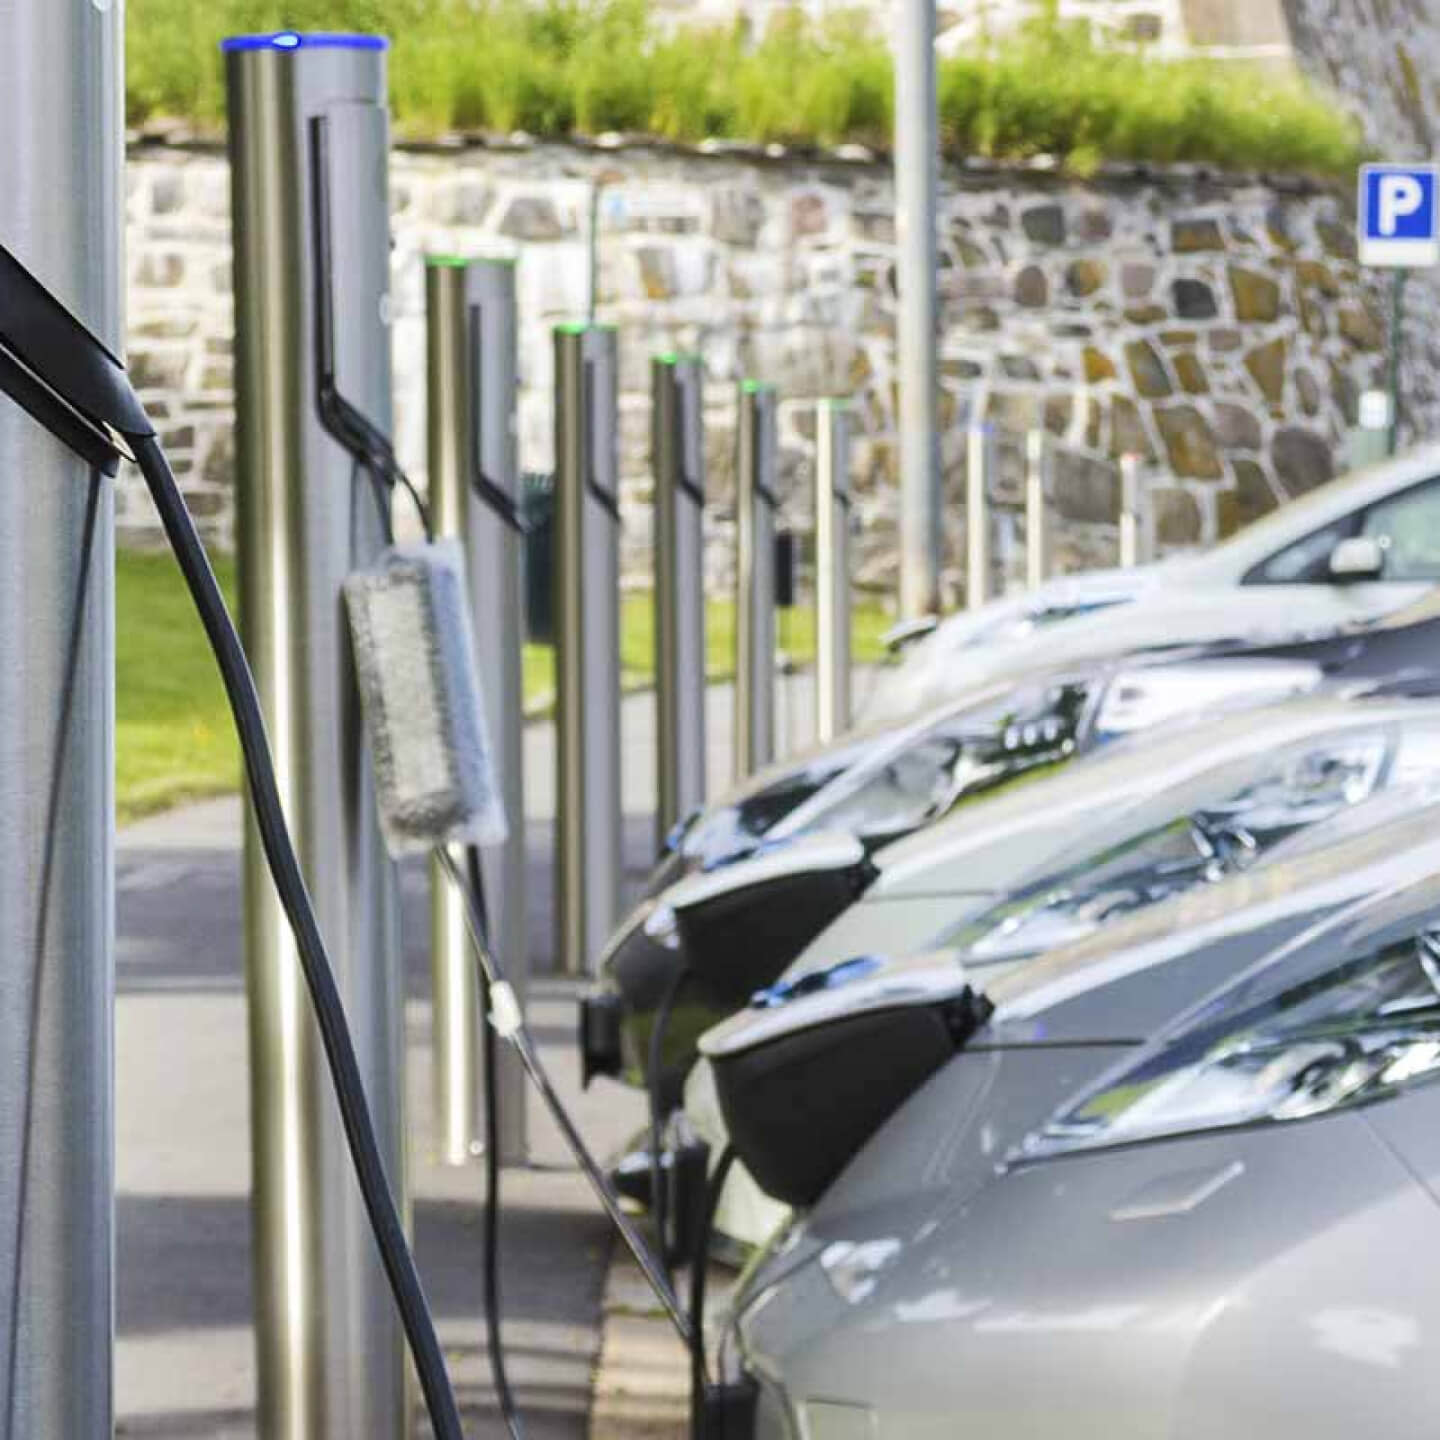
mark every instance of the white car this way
{"type": "Point", "coordinates": [1358, 547]}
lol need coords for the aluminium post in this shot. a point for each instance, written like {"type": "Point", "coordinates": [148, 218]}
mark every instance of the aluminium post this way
{"type": "Point", "coordinates": [62, 215]}
{"type": "Point", "coordinates": [832, 569]}
{"type": "Point", "coordinates": [588, 823]}
{"type": "Point", "coordinates": [309, 148]}
{"type": "Point", "coordinates": [979, 470]}
{"type": "Point", "coordinates": [756, 503]}
{"type": "Point", "coordinates": [917, 164]}
{"type": "Point", "coordinates": [1130, 520]}
{"type": "Point", "coordinates": [474, 487]}
{"type": "Point", "coordinates": [678, 458]}
{"type": "Point", "coordinates": [1037, 504]}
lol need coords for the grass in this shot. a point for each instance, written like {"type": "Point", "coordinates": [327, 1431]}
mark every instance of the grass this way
{"type": "Point", "coordinates": [174, 740]}
{"type": "Point", "coordinates": [558, 68]}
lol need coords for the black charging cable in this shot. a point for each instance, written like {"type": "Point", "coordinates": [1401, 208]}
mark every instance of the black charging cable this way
{"type": "Point", "coordinates": [382, 484]}
{"type": "Point", "coordinates": [513, 1028]}
{"type": "Point", "coordinates": [329, 1010]}
{"type": "Point", "coordinates": [659, 1186]}
{"type": "Point", "coordinates": [699, 1267]}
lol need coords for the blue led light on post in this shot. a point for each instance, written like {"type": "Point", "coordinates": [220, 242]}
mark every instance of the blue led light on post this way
{"type": "Point", "coordinates": [294, 40]}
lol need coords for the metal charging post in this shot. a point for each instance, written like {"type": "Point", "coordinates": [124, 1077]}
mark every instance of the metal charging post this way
{"type": "Point", "coordinates": [1037, 503]}
{"type": "Point", "coordinates": [62, 214]}
{"type": "Point", "coordinates": [979, 467]}
{"type": "Point", "coordinates": [832, 569]}
{"type": "Point", "coordinates": [475, 499]}
{"type": "Point", "coordinates": [678, 457]}
{"type": "Point", "coordinates": [587, 652]}
{"type": "Point", "coordinates": [309, 147]}
{"type": "Point", "coordinates": [1130, 541]}
{"type": "Point", "coordinates": [756, 501]}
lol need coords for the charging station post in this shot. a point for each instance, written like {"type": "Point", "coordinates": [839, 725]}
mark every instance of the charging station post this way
{"type": "Point", "coordinates": [678, 457]}
{"type": "Point", "coordinates": [756, 502]}
{"type": "Point", "coordinates": [588, 827]}
{"type": "Point", "coordinates": [309, 141]}
{"type": "Point", "coordinates": [474, 494]}
{"type": "Point", "coordinates": [979, 467]}
{"type": "Point", "coordinates": [832, 569]}
{"type": "Point", "coordinates": [62, 214]}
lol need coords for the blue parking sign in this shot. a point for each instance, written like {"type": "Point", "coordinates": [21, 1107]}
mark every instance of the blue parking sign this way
{"type": "Point", "coordinates": [1399, 216]}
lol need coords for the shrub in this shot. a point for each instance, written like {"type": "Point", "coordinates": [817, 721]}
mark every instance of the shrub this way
{"type": "Point", "coordinates": [561, 67]}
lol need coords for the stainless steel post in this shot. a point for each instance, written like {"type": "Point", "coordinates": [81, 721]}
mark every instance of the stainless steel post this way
{"type": "Point", "coordinates": [587, 651]}
{"type": "Point", "coordinates": [756, 501]}
{"type": "Point", "coordinates": [1129, 543]}
{"type": "Point", "coordinates": [832, 569]}
{"type": "Point", "coordinates": [62, 214]}
{"type": "Point", "coordinates": [979, 467]}
{"type": "Point", "coordinates": [474, 498]}
{"type": "Point", "coordinates": [678, 456]}
{"type": "Point", "coordinates": [917, 162]}
{"type": "Point", "coordinates": [309, 142]}
{"type": "Point", "coordinates": [1037, 501]}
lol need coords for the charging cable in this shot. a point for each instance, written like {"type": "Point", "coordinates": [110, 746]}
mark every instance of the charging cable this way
{"type": "Point", "coordinates": [57, 371]}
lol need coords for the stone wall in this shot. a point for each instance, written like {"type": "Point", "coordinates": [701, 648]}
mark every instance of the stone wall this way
{"type": "Point", "coordinates": [1218, 328]}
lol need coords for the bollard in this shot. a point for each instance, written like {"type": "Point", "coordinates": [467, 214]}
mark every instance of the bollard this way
{"type": "Point", "coordinates": [309, 140]}
{"type": "Point", "coordinates": [1037, 501]}
{"type": "Point", "coordinates": [832, 569]}
{"type": "Point", "coordinates": [678, 456]}
{"type": "Point", "coordinates": [979, 467]}
{"type": "Point", "coordinates": [756, 501]}
{"type": "Point", "coordinates": [588, 830]}
{"type": "Point", "coordinates": [475, 499]}
{"type": "Point", "coordinates": [62, 203]}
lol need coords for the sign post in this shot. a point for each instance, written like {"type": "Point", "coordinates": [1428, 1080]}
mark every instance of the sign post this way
{"type": "Point", "coordinates": [1399, 231]}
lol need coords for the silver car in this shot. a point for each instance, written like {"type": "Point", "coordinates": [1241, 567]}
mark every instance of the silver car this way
{"type": "Point", "coordinates": [1069, 856]}
{"type": "Point", "coordinates": [1229, 1230]}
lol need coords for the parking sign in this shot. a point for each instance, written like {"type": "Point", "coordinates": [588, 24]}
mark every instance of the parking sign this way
{"type": "Point", "coordinates": [1399, 216]}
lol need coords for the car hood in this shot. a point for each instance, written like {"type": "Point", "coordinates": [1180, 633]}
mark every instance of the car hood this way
{"type": "Point", "coordinates": [1173, 615]}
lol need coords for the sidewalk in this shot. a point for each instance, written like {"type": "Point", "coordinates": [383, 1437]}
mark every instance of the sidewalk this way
{"type": "Point", "coordinates": [185, 1365]}
{"type": "Point", "coordinates": [184, 1359]}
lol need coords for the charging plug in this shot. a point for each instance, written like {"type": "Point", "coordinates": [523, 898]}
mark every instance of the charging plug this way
{"type": "Point", "coordinates": [728, 1410]}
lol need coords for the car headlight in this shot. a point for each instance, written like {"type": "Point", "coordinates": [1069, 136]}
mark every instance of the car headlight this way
{"type": "Point", "coordinates": [1319, 1043]}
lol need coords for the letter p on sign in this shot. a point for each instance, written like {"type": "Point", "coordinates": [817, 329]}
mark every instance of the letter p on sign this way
{"type": "Point", "coordinates": [1399, 216]}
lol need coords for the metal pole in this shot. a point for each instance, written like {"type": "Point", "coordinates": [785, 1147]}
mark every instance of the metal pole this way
{"type": "Point", "coordinates": [309, 142]}
{"type": "Point", "coordinates": [678, 456]}
{"type": "Point", "coordinates": [1397, 342]}
{"type": "Point", "coordinates": [474, 498]}
{"type": "Point", "coordinates": [979, 466]}
{"type": "Point", "coordinates": [756, 501]}
{"type": "Point", "coordinates": [587, 652]}
{"type": "Point", "coordinates": [832, 569]}
{"type": "Point", "coordinates": [916, 205]}
{"type": "Point", "coordinates": [1129, 511]}
{"type": "Point", "coordinates": [62, 214]}
{"type": "Point", "coordinates": [1037, 495]}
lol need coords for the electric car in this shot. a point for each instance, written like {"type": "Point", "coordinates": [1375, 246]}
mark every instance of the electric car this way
{"type": "Point", "coordinates": [770, 884]}
{"type": "Point", "coordinates": [1229, 1230]}
{"type": "Point", "coordinates": [1066, 857]}
{"type": "Point", "coordinates": [1355, 548]}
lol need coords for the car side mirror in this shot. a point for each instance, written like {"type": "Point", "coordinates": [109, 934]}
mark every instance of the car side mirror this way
{"type": "Point", "coordinates": [1356, 559]}
{"type": "Point", "coordinates": [908, 632]}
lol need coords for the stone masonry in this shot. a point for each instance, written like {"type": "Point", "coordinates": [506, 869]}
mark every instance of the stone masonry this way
{"type": "Point", "coordinates": [1217, 327]}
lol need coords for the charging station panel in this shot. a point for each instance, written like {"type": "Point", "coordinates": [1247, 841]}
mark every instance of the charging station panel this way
{"type": "Point", "coordinates": [308, 155]}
